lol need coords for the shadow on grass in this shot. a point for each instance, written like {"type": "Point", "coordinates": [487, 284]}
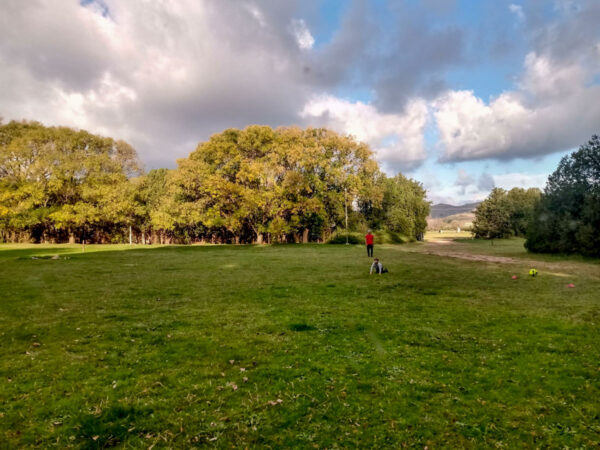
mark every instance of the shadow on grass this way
{"type": "Point", "coordinates": [46, 251]}
{"type": "Point", "coordinates": [111, 427]}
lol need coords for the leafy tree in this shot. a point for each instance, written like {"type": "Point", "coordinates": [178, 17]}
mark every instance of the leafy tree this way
{"type": "Point", "coordinates": [403, 208]}
{"type": "Point", "coordinates": [243, 185]}
{"type": "Point", "coordinates": [55, 180]}
{"type": "Point", "coordinates": [248, 185]}
{"type": "Point", "coordinates": [521, 204]}
{"type": "Point", "coordinates": [492, 216]}
{"type": "Point", "coordinates": [150, 191]}
{"type": "Point", "coordinates": [567, 218]}
{"type": "Point", "coordinates": [505, 213]}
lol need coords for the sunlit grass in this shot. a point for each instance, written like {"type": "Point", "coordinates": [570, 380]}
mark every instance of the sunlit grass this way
{"type": "Point", "coordinates": [295, 346]}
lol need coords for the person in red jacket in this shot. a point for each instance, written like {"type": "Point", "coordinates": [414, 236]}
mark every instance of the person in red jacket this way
{"type": "Point", "coordinates": [369, 242]}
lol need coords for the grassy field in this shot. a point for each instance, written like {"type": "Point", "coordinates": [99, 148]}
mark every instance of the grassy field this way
{"type": "Point", "coordinates": [297, 346]}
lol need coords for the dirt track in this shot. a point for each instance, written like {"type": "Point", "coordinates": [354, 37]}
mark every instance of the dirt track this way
{"type": "Point", "coordinates": [474, 257]}
{"type": "Point", "coordinates": [447, 248]}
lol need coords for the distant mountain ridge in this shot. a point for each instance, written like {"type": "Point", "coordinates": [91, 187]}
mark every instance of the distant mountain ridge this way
{"type": "Point", "coordinates": [444, 210]}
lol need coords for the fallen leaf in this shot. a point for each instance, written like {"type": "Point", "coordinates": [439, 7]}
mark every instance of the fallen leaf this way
{"type": "Point", "coordinates": [231, 361]}
{"type": "Point", "coordinates": [245, 379]}
{"type": "Point", "coordinates": [36, 344]}
{"type": "Point", "coordinates": [95, 438]}
{"type": "Point", "coordinates": [242, 369]}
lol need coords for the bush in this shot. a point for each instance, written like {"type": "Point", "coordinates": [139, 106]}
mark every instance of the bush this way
{"type": "Point", "coordinates": [567, 217]}
{"type": "Point", "coordinates": [390, 237]}
{"type": "Point", "coordinates": [353, 238]}
{"type": "Point", "coordinates": [381, 237]}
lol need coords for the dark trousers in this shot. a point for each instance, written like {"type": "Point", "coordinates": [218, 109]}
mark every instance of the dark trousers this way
{"type": "Point", "coordinates": [370, 250]}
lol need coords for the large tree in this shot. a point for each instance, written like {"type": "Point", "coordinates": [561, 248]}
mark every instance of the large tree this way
{"type": "Point", "coordinates": [252, 185]}
{"type": "Point", "coordinates": [403, 208]}
{"type": "Point", "coordinates": [492, 216]}
{"type": "Point", "coordinates": [505, 213]}
{"type": "Point", "coordinates": [567, 218]}
{"type": "Point", "coordinates": [56, 180]}
{"type": "Point", "coordinates": [245, 185]}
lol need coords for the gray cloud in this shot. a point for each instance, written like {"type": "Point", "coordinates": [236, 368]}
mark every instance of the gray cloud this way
{"type": "Point", "coordinates": [161, 76]}
{"type": "Point", "coordinates": [165, 75]}
{"type": "Point", "coordinates": [553, 104]}
{"type": "Point", "coordinates": [486, 182]}
{"type": "Point", "coordinates": [463, 181]}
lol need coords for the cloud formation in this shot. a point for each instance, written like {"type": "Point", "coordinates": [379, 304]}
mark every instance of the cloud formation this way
{"type": "Point", "coordinates": [160, 75]}
{"type": "Point", "coordinates": [554, 104]}
{"type": "Point", "coordinates": [166, 75]}
{"type": "Point", "coordinates": [397, 139]}
{"type": "Point", "coordinates": [552, 110]}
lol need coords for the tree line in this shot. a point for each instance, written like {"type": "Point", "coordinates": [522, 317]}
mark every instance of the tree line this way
{"type": "Point", "coordinates": [504, 213]}
{"type": "Point", "coordinates": [241, 186]}
{"type": "Point", "coordinates": [564, 218]}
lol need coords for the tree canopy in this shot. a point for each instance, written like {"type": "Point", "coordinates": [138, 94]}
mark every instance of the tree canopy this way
{"type": "Point", "coordinates": [252, 185]}
{"type": "Point", "coordinates": [55, 180]}
{"type": "Point", "coordinates": [567, 218]}
{"type": "Point", "coordinates": [505, 213]}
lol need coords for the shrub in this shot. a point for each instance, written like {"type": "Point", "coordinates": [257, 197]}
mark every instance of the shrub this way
{"type": "Point", "coordinates": [340, 238]}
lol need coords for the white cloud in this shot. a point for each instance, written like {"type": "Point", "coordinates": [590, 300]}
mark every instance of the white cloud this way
{"type": "Point", "coordinates": [466, 189]}
{"type": "Point", "coordinates": [397, 139]}
{"type": "Point", "coordinates": [302, 34]}
{"type": "Point", "coordinates": [463, 180]}
{"type": "Point", "coordinates": [553, 110]}
{"type": "Point", "coordinates": [520, 180]}
{"type": "Point", "coordinates": [517, 10]}
{"type": "Point", "coordinates": [159, 75]}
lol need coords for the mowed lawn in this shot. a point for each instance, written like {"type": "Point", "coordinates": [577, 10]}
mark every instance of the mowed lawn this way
{"type": "Point", "coordinates": [296, 346]}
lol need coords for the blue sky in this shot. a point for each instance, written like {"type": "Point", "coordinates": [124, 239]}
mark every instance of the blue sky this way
{"type": "Point", "coordinates": [461, 95]}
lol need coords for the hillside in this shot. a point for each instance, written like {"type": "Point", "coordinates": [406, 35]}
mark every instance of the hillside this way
{"type": "Point", "coordinates": [464, 221]}
{"type": "Point", "coordinates": [444, 210]}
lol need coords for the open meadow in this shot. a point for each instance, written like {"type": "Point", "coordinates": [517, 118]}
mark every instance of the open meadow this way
{"type": "Point", "coordinates": [297, 346]}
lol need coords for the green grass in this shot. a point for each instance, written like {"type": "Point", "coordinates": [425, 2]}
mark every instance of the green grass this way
{"type": "Point", "coordinates": [295, 346]}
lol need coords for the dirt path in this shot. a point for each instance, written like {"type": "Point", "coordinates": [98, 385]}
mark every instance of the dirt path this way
{"type": "Point", "coordinates": [446, 248]}
{"type": "Point", "coordinates": [475, 257]}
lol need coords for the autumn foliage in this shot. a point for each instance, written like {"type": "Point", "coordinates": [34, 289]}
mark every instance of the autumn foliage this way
{"type": "Point", "coordinates": [241, 186]}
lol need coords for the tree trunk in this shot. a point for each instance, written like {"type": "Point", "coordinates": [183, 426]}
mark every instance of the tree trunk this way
{"type": "Point", "coordinates": [259, 238]}
{"type": "Point", "coordinates": [130, 242]}
{"type": "Point", "coordinates": [71, 237]}
{"type": "Point", "coordinates": [143, 237]}
{"type": "Point", "coordinates": [305, 236]}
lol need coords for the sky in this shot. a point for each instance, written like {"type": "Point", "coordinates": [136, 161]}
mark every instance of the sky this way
{"type": "Point", "coordinates": [461, 95]}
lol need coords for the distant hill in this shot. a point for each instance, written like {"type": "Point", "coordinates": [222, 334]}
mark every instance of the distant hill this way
{"type": "Point", "coordinates": [464, 221]}
{"type": "Point", "coordinates": [443, 210]}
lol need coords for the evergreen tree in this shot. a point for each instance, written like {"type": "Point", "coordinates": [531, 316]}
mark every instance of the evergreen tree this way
{"type": "Point", "coordinates": [567, 218]}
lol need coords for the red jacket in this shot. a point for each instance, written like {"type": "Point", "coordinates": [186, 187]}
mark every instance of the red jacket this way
{"type": "Point", "coordinates": [369, 239]}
